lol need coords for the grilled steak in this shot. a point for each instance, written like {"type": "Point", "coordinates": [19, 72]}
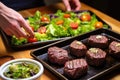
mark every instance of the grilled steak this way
{"type": "Point", "coordinates": [57, 55]}
{"type": "Point", "coordinates": [95, 56]}
{"type": "Point", "coordinates": [98, 41]}
{"type": "Point", "coordinates": [78, 49]}
{"type": "Point", "coordinates": [114, 49]}
{"type": "Point", "coordinates": [75, 68]}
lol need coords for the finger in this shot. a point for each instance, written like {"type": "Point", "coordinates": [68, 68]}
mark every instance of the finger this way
{"type": "Point", "coordinates": [18, 31]}
{"type": "Point", "coordinates": [15, 32]}
{"type": "Point", "coordinates": [11, 26]}
{"type": "Point", "coordinates": [27, 28]}
{"type": "Point", "coordinates": [78, 5]}
{"type": "Point", "coordinates": [11, 33]}
{"type": "Point", "coordinates": [67, 5]}
{"type": "Point", "coordinates": [7, 31]}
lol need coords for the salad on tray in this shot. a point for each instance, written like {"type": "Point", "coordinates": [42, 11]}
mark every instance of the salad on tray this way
{"type": "Point", "coordinates": [59, 25]}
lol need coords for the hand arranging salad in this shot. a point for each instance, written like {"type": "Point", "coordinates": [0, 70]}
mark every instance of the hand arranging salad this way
{"type": "Point", "coordinates": [61, 24]}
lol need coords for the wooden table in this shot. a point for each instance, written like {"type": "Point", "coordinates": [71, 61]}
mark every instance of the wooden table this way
{"type": "Point", "coordinates": [51, 9]}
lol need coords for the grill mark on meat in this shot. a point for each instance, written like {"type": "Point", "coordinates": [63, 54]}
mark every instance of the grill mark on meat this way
{"type": "Point", "coordinates": [75, 68]}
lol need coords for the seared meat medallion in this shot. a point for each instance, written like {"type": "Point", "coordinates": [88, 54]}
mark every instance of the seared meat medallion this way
{"type": "Point", "coordinates": [95, 56]}
{"type": "Point", "coordinates": [78, 49]}
{"type": "Point", "coordinates": [114, 49]}
{"type": "Point", "coordinates": [75, 68]}
{"type": "Point", "coordinates": [98, 41]}
{"type": "Point", "coordinates": [57, 55]}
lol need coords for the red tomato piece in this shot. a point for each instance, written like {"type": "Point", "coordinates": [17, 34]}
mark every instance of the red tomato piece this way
{"type": "Point", "coordinates": [98, 24]}
{"type": "Point", "coordinates": [44, 19]}
{"type": "Point", "coordinates": [32, 40]}
{"type": "Point", "coordinates": [66, 15]}
{"type": "Point", "coordinates": [42, 30]}
{"type": "Point", "coordinates": [74, 25]}
{"type": "Point", "coordinates": [85, 17]}
{"type": "Point", "coordinates": [59, 22]}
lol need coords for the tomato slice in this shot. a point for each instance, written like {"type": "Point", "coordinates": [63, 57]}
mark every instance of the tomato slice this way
{"type": "Point", "coordinates": [59, 22]}
{"type": "Point", "coordinates": [74, 25]}
{"type": "Point", "coordinates": [85, 17]}
{"type": "Point", "coordinates": [98, 24]}
{"type": "Point", "coordinates": [44, 19]}
{"type": "Point", "coordinates": [32, 40]}
{"type": "Point", "coordinates": [66, 15]}
{"type": "Point", "coordinates": [42, 30]}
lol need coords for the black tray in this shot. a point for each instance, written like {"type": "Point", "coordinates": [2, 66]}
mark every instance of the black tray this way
{"type": "Point", "coordinates": [93, 72]}
{"type": "Point", "coordinates": [8, 44]}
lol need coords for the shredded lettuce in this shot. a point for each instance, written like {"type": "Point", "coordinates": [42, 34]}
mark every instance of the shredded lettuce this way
{"type": "Point", "coordinates": [35, 20]}
{"type": "Point", "coordinates": [18, 41]}
{"type": "Point", "coordinates": [42, 37]}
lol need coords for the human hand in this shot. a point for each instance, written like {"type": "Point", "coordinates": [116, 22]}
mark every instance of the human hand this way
{"type": "Point", "coordinates": [11, 22]}
{"type": "Point", "coordinates": [72, 4]}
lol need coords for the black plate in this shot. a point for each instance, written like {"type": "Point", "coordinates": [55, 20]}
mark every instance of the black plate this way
{"type": "Point", "coordinates": [93, 72]}
{"type": "Point", "coordinates": [7, 39]}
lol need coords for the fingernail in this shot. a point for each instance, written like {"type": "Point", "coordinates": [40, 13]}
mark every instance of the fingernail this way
{"type": "Point", "coordinates": [68, 9]}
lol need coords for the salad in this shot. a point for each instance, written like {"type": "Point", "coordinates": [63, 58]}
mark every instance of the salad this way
{"type": "Point", "coordinates": [22, 70]}
{"type": "Point", "coordinates": [59, 25]}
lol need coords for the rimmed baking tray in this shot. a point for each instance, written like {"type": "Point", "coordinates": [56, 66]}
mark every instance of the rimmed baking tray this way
{"type": "Point", "coordinates": [93, 72]}
{"type": "Point", "coordinates": [8, 44]}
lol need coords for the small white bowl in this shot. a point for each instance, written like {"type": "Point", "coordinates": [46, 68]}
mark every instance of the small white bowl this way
{"type": "Point", "coordinates": [6, 65]}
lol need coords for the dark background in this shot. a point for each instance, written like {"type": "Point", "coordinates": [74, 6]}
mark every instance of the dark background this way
{"type": "Point", "coordinates": [109, 7]}
{"type": "Point", "coordinates": [21, 5]}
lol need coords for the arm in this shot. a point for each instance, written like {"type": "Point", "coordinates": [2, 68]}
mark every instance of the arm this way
{"type": "Point", "coordinates": [72, 4]}
{"type": "Point", "coordinates": [11, 23]}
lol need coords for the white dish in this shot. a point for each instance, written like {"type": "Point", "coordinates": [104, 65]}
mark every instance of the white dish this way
{"type": "Point", "coordinates": [6, 65]}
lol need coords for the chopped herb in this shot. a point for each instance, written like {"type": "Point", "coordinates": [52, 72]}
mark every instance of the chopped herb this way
{"type": "Point", "coordinates": [78, 42]}
{"type": "Point", "coordinates": [93, 50]}
{"type": "Point", "coordinates": [98, 36]}
{"type": "Point", "coordinates": [118, 45]}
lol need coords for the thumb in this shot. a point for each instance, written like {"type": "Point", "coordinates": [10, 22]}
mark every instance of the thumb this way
{"type": "Point", "coordinates": [67, 5]}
